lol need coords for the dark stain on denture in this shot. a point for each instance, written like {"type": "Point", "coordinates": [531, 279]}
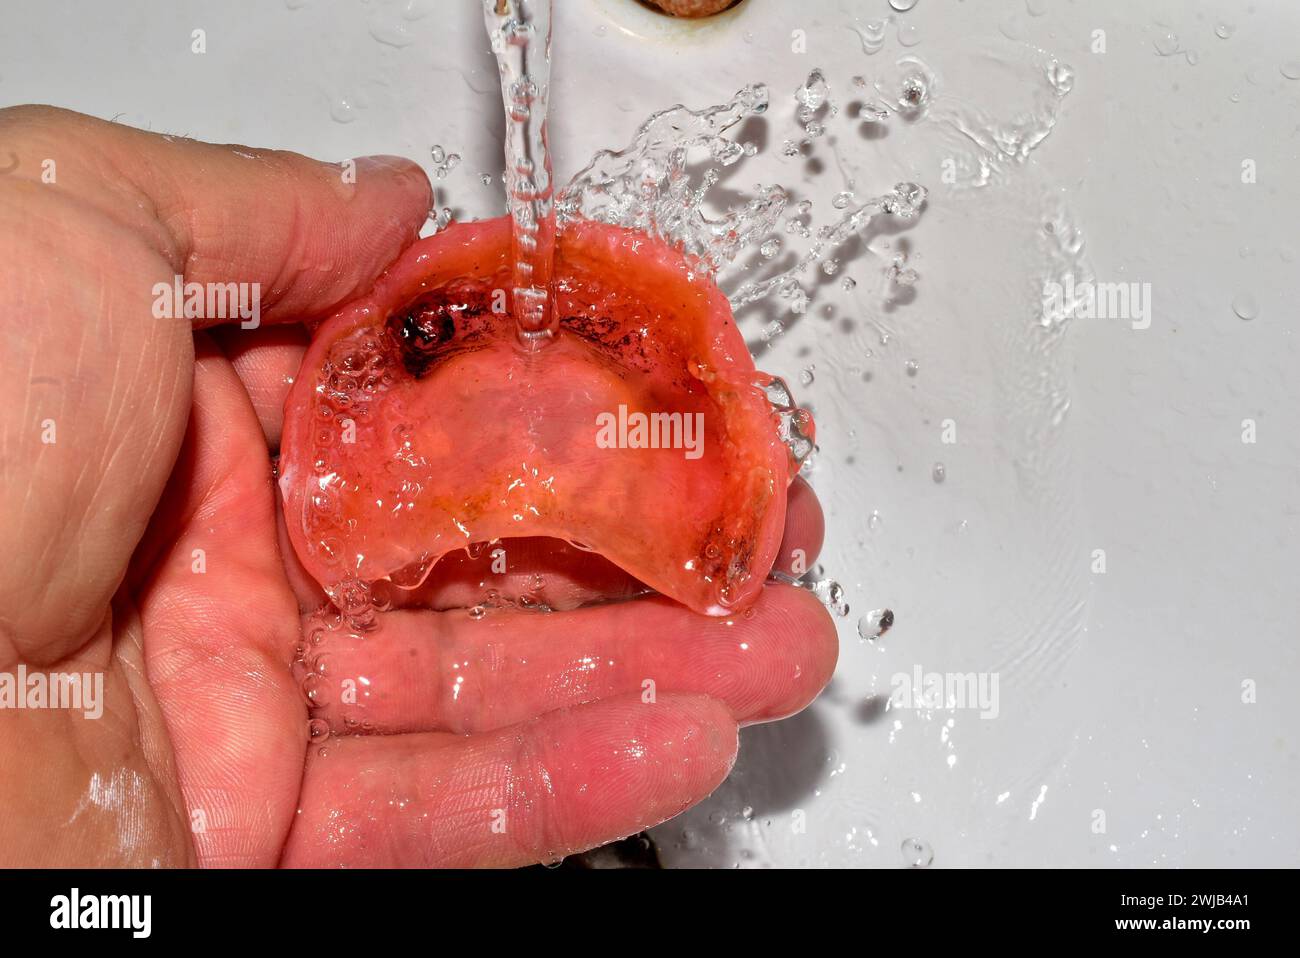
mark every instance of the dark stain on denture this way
{"type": "Point", "coordinates": [438, 325]}
{"type": "Point", "coordinates": [723, 557]}
{"type": "Point", "coordinates": [616, 340]}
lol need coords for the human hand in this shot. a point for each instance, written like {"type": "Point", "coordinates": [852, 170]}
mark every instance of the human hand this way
{"type": "Point", "coordinates": [144, 543]}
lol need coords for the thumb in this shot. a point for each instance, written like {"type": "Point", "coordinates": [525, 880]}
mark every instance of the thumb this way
{"type": "Point", "coordinates": [97, 390]}
{"type": "Point", "coordinates": [311, 234]}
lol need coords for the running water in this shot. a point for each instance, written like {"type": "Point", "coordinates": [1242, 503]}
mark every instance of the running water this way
{"type": "Point", "coordinates": [520, 31]}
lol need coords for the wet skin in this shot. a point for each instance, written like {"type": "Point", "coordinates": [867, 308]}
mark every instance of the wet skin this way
{"type": "Point", "coordinates": [164, 431]}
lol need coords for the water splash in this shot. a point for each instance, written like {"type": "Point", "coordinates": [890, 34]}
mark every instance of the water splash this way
{"type": "Point", "coordinates": [647, 186]}
{"type": "Point", "coordinates": [904, 202]}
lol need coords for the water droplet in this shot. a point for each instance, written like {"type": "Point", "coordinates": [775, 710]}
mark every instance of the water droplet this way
{"type": "Point", "coordinates": [343, 110]}
{"type": "Point", "coordinates": [1193, 58]}
{"type": "Point", "coordinates": [1291, 69]}
{"type": "Point", "coordinates": [1244, 306]}
{"type": "Point", "coordinates": [872, 35]}
{"type": "Point", "coordinates": [915, 92]}
{"type": "Point", "coordinates": [902, 6]}
{"type": "Point", "coordinates": [830, 266]}
{"type": "Point", "coordinates": [848, 284]}
{"type": "Point", "coordinates": [939, 473]}
{"type": "Point", "coordinates": [812, 96]}
{"type": "Point", "coordinates": [1166, 43]}
{"type": "Point", "coordinates": [875, 624]}
{"type": "Point", "coordinates": [485, 179]}
{"type": "Point", "coordinates": [1224, 30]}
{"type": "Point", "coordinates": [318, 730]}
{"type": "Point", "coordinates": [831, 594]}
{"type": "Point", "coordinates": [1061, 76]}
{"type": "Point", "coordinates": [806, 376]}
{"type": "Point", "coordinates": [909, 35]}
{"type": "Point", "coordinates": [917, 853]}
{"type": "Point", "coordinates": [842, 200]}
{"type": "Point", "coordinates": [912, 367]}
{"type": "Point", "coordinates": [1036, 8]}
{"type": "Point", "coordinates": [770, 248]}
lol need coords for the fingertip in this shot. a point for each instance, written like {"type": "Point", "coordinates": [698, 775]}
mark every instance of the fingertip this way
{"type": "Point", "coordinates": [404, 181]}
{"type": "Point", "coordinates": [803, 649]}
{"type": "Point", "coordinates": [805, 530]}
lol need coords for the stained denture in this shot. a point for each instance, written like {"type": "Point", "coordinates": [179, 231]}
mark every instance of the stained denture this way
{"type": "Point", "coordinates": [419, 425]}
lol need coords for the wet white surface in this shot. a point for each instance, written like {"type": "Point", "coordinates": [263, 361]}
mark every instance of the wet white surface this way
{"type": "Point", "coordinates": [1120, 693]}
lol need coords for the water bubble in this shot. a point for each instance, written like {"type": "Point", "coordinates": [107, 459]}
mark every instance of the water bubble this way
{"type": "Point", "coordinates": [1245, 306]}
{"type": "Point", "coordinates": [1224, 30]}
{"type": "Point", "coordinates": [437, 154]}
{"type": "Point", "coordinates": [917, 853]}
{"type": "Point", "coordinates": [842, 200]}
{"type": "Point", "coordinates": [875, 624]}
{"type": "Point", "coordinates": [485, 179]}
{"type": "Point", "coordinates": [830, 266]}
{"type": "Point", "coordinates": [939, 472]}
{"type": "Point", "coordinates": [848, 284]}
{"type": "Point", "coordinates": [770, 248]}
{"type": "Point", "coordinates": [318, 730]}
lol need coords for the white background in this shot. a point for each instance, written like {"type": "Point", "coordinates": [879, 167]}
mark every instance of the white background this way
{"type": "Point", "coordinates": [1119, 693]}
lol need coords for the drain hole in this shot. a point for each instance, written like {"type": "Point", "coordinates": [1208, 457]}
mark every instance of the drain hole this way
{"type": "Point", "coordinates": [691, 9]}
